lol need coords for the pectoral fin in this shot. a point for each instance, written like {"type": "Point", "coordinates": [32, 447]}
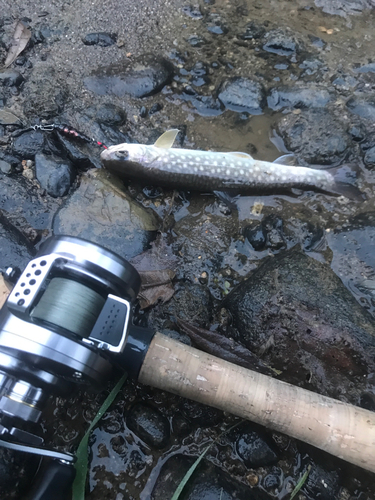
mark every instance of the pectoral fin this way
{"type": "Point", "coordinates": [166, 140]}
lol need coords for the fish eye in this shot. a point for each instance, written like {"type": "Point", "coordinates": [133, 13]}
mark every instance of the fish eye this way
{"type": "Point", "coordinates": [122, 154]}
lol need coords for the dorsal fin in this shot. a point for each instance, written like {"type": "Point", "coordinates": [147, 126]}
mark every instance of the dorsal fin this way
{"type": "Point", "coordinates": [167, 139]}
{"type": "Point", "coordinates": [240, 154]}
{"type": "Point", "coordinates": [289, 159]}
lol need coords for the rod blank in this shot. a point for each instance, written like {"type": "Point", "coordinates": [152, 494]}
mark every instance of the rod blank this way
{"type": "Point", "coordinates": [343, 430]}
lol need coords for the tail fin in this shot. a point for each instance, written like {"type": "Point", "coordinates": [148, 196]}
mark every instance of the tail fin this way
{"type": "Point", "coordinates": [344, 185]}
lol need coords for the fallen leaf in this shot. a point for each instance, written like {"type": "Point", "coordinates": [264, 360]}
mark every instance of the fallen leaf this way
{"type": "Point", "coordinates": [5, 290]}
{"type": "Point", "coordinates": [21, 38]}
{"type": "Point", "coordinates": [8, 118]}
{"type": "Point", "coordinates": [156, 285]}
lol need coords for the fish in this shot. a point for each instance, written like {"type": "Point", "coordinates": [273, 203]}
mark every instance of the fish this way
{"type": "Point", "coordinates": [232, 172]}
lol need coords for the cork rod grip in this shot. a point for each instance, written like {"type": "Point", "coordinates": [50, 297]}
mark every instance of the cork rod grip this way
{"type": "Point", "coordinates": [343, 430]}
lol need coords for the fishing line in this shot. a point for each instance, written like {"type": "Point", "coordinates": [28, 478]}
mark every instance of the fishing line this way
{"type": "Point", "coordinates": [70, 305]}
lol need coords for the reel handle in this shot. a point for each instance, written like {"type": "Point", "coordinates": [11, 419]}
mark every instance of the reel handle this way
{"type": "Point", "coordinates": [54, 480]}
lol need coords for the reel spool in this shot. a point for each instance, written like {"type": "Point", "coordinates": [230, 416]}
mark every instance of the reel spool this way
{"type": "Point", "coordinates": [66, 322]}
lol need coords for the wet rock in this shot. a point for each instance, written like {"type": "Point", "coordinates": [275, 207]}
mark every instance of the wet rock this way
{"type": "Point", "coordinates": [256, 235]}
{"type": "Point", "coordinates": [357, 132]}
{"type": "Point", "coordinates": [54, 174]}
{"type": "Point", "coordinates": [366, 68]}
{"type": "Point", "coordinates": [5, 167]}
{"type": "Point", "coordinates": [298, 97]}
{"type": "Point", "coordinates": [297, 312]}
{"type": "Point", "coordinates": [155, 108]}
{"type": "Point", "coordinates": [15, 251]}
{"type": "Point", "coordinates": [150, 425]}
{"type": "Point", "coordinates": [322, 484]}
{"type": "Point", "coordinates": [210, 482]}
{"type": "Point", "coordinates": [10, 78]}
{"type": "Point", "coordinates": [144, 77]}
{"type": "Point", "coordinates": [316, 41]}
{"type": "Point", "coordinates": [311, 66]}
{"type": "Point", "coordinates": [253, 31]}
{"type": "Point", "coordinates": [16, 472]}
{"type": "Point", "coordinates": [370, 158]}
{"type": "Point", "coordinates": [344, 82]}
{"type": "Point", "coordinates": [218, 28]}
{"type": "Point", "coordinates": [192, 11]}
{"type": "Point", "coordinates": [281, 43]}
{"type": "Point", "coordinates": [196, 41]}
{"type": "Point", "coordinates": [107, 113]}
{"type": "Point", "coordinates": [316, 135]}
{"type": "Point", "coordinates": [254, 449]}
{"type": "Point", "coordinates": [100, 211]}
{"type": "Point", "coordinates": [102, 39]}
{"type": "Point", "coordinates": [29, 144]}
{"type": "Point", "coordinates": [242, 95]}
{"type": "Point", "coordinates": [191, 303]}
{"type": "Point", "coordinates": [363, 106]}
{"type": "Point", "coordinates": [344, 7]}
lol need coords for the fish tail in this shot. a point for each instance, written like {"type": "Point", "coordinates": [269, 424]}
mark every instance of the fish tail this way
{"type": "Point", "coordinates": [344, 182]}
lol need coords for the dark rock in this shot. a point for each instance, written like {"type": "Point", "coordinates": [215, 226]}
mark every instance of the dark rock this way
{"type": "Point", "coordinates": [243, 95]}
{"type": "Point", "coordinates": [344, 82]}
{"type": "Point", "coordinates": [210, 482]}
{"type": "Point", "coordinates": [10, 78]}
{"type": "Point", "coordinates": [100, 211]}
{"type": "Point", "coordinates": [81, 155]}
{"type": "Point", "coordinates": [298, 97]}
{"type": "Point", "coordinates": [322, 484]}
{"type": "Point", "coordinates": [180, 425]}
{"type": "Point", "coordinates": [192, 11]}
{"type": "Point", "coordinates": [253, 31]}
{"type": "Point", "coordinates": [191, 303]}
{"type": "Point", "coordinates": [317, 328]}
{"type": "Point", "coordinates": [311, 66]}
{"type": "Point", "coordinates": [357, 132]}
{"type": "Point", "coordinates": [5, 167]}
{"type": "Point", "coordinates": [16, 472]}
{"type": "Point", "coordinates": [218, 28]}
{"type": "Point", "coordinates": [200, 414]}
{"type": "Point", "coordinates": [15, 251]}
{"type": "Point", "coordinates": [54, 175]}
{"type": "Point", "coordinates": [363, 106]}
{"type": "Point", "coordinates": [29, 144]}
{"type": "Point", "coordinates": [256, 236]}
{"type": "Point", "coordinates": [273, 480]}
{"type": "Point", "coordinates": [273, 228]}
{"type": "Point", "coordinates": [196, 41]}
{"type": "Point", "coordinates": [150, 425]}
{"type": "Point", "coordinates": [102, 39]}
{"type": "Point", "coordinates": [281, 43]}
{"type": "Point", "coordinates": [145, 77]}
{"type": "Point", "coordinates": [344, 7]}
{"type": "Point", "coordinates": [370, 158]}
{"type": "Point", "coordinates": [316, 135]}
{"type": "Point", "coordinates": [107, 113]}
{"type": "Point", "coordinates": [367, 401]}
{"type": "Point", "coordinates": [155, 108]}
{"type": "Point", "coordinates": [316, 41]}
{"type": "Point", "coordinates": [254, 449]}
{"type": "Point", "coordinates": [54, 96]}
{"type": "Point", "coordinates": [366, 68]}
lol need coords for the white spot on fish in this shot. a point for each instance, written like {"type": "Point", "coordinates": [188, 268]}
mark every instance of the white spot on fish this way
{"type": "Point", "coordinates": [184, 165]}
{"type": "Point", "coordinates": [215, 163]}
{"type": "Point", "coordinates": [206, 163]}
{"type": "Point", "coordinates": [241, 172]}
{"type": "Point", "coordinates": [195, 169]}
{"type": "Point", "coordinates": [228, 172]}
{"type": "Point", "coordinates": [231, 165]}
{"type": "Point", "coordinates": [201, 168]}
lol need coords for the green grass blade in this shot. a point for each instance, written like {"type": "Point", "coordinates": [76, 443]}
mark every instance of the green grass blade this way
{"type": "Point", "coordinates": [191, 470]}
{"type": "Point", "coordinates": [300, 483]}
{"type": "Point", "coordinates": [81, 464]}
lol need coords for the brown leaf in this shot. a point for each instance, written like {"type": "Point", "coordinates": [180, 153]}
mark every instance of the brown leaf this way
{"type": "Point", "coordinates": [5, 290]}
{"type": "Point", "coordinates": [156, 285]}
{"type": "Point", "coordinates": [21, 38]}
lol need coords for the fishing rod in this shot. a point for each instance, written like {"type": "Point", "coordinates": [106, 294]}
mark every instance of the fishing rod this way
{"type": "Point", "coordinates": [67, 323]}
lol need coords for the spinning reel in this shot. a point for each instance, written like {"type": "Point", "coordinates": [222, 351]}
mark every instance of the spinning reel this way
{"type": "Point", "coordinates": [66, 323]}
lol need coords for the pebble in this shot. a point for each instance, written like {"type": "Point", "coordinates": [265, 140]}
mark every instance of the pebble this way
{"type": "Point", "coordinates": [370, 158]}
{"type": "Point", "coordinates": [10, 78]}
{"type": "Point", "coordinates": [254, 450]}
{"type": "Point", "coordinates": [363, 106]}
{"type": "Point", "coordinates": [28, 144]}
{"type": "Point", "coordinates": [5, 167]}
{"type": "Point", "coordinates": [149, 425]}
{"type": "Point", "coordinates": [102, 39]}
{"type": "Point", "coordinates": [281, 43]}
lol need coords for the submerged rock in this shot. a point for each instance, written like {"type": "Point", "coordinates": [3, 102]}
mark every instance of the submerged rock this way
{"type": "Point", "coordinates": [298, 97]}
{"type": "Point", "coordinates": [281, 43]}
{"type": "Point", "coordinates": [242, 95]}
{"type": "Point", "coordinates": [297, 313]}
{"type": "Point", "coordinates": [316, 135]}
{"type": "Point", "coordinates": [344, 7]}
{"type": "Point", "coordinates": [100, 211]}
{"type": "Point", "coordinates": [144, 77]}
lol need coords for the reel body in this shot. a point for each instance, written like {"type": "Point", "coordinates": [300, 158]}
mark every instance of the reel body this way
{"type": "Point", "coordinates": [66, 323]}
